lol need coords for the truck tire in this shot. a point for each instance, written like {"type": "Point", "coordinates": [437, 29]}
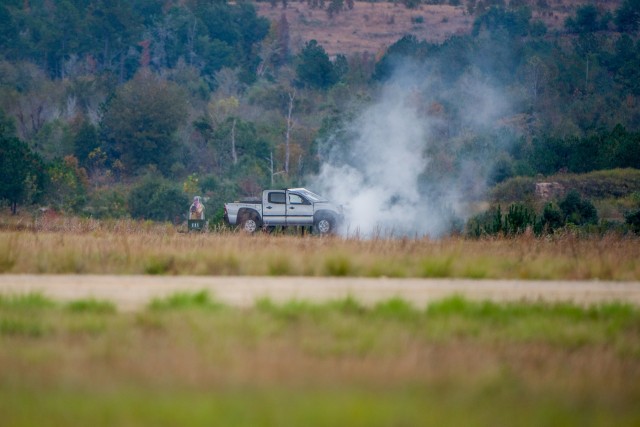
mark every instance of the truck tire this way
{"type": "Point", "coordinates": [325, 225]}
{"type": "Point", "coordinates": [249, 223]}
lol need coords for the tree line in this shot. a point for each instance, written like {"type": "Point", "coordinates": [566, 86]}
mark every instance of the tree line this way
{"type": "Point", "coordinates": [112, 99]}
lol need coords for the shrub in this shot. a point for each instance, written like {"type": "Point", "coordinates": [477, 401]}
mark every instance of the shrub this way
{"type": "Point", "coordinates": [485, 223]}
{"type": "Point", "coordinates": [514, 190]}
{"type": "Point", "coordinates": [551, 219]}
{"type": "Point", "coordinates": [578, 211]}
{"type": "Point", "coordinates": [633, 220]}
{"type": "Point", "coordinates": [158, 200]}
{"type": "Point", "coordinates": [518, 219]}
{"type": "Point", "coordinates": [107, 203]}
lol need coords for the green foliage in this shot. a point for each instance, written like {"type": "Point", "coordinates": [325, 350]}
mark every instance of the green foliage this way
{"type": "Point", "coordinates": [314, 69]}
{"type": "Point", "coordinates": [85, 142]}
{"type": "Point", "coordinates": [217, 192]}
{"type": "Point", "coordinates": [551, 219]}
{"type": "Point", "coordinates": [514, 22]}
{"type": "Point", "coordinates": [30, 301]}
{"type": "Point", "coordinates": [217, 34]}
{"type": "Point", "coordinates": [515, 189]}
{"type": "Point", "coordinates": [587, 20]}
{"type": "Point", "coordinates": [578, 211]}
{"type": "Point", "coordinates": [106, 203]}
{"type": "Point", "coordinates": [67, 185]}
{"type": "Point", "coordinates": [603, 184]}
{"type": "Point", "coordinates": [185, 301]}
{"type": "Point", "coordinates": [140, 122]}
{"type": "Point", "coordinates": [502, 170]}
{"type": "Point", "coordinates": [406, 48]}
{"type": "Point", "coordinates": [627, 18]}
{"type": "Point", "coordinates": [21, 171]}
{"type": "Point", "coordinates": [91, 306]}
{"type": "Point", "coordinates": [615, 315]}
{"type": "Point", "coordinates": [395, 308]}
{"type": "Point", "coordinates": [159, 200]}
{"type": "Point", "coordinates": [290, 311]}
{"type": "Point", "coordinates": [518, 219]}
{"type": "Point", "coordinates": [617, 148]}
{"type": "Point", "coordinates": [486, 223]}
{"type": "Point", "coordinates": [633, 220]}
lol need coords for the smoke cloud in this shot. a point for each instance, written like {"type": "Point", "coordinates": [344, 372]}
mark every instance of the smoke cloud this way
{"type": "Point", "coordinates": [397, 168]}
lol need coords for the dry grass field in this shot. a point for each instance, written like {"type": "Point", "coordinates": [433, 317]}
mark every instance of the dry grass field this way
{"type": "Point", "coordinates": [372, 27]}
{"type": "Point", "coordinates": [128, 247]}
{"type": "Point", "coordinates": [368, 27]}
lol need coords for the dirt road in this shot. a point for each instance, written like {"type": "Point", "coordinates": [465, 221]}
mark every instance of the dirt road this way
{"type": "Point", "coordinates": [134, 292]}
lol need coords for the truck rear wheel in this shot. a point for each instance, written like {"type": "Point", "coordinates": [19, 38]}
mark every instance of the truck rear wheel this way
{"type": "Point", "coordinates": [248, 222]}
{"type": "Point", "coordinates": [249, 225]}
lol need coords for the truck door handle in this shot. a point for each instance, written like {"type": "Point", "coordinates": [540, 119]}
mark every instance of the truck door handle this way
{"type": "Point", "coordinates": [291, 207]}
{"type": "Point", "coordinates": [268, 207]}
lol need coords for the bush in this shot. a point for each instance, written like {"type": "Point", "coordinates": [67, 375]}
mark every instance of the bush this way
{"type": "Point", "coordinates": [514, 190]}
{"type": "Point", "coordinates": [485, 223]}
{"type": "Point", "coordinates": [158, 200]}
{"type": "Point", "coordinates": [578, 211]}
{"type": "Point", "coordinates": [518, 219]}
{"type": "Point", "coordinates": [107, 203]}
{"type": "Point", "coordinates": [633, 221]}
{"type": "Point", "coordinates": [551, 219]}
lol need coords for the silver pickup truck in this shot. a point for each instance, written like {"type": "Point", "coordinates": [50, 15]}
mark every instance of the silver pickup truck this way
{"type": "Point", "coordinates": [290, 207]}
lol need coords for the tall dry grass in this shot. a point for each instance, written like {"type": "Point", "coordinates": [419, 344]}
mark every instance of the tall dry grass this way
{"type": "Point", "coordinates": [130, 247]}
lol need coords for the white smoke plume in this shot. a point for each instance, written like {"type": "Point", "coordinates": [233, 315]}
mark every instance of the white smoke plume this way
{"type": "Point", "coordinates": [378, 172]}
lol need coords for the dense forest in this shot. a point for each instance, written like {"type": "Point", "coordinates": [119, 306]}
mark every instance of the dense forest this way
{"type": "Point", "coordinates": [117, 108]}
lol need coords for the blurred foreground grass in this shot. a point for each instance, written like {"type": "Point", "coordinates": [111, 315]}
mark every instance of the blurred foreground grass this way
{"type": "Point", "coordinates": [189, 360]}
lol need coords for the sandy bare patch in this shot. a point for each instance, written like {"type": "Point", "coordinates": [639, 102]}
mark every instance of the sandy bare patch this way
{"type": "Point", "coordinates": [134, 292]}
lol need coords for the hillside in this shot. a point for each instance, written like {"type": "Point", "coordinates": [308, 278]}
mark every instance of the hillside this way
{"type": "Point", "coordinates": [372, 27]}
{"type": "Point", "coordinates": [220, 100]}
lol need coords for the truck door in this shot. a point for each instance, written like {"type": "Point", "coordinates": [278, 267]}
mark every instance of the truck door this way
{"type": "Point", "coordinates": [299, 210]}
{"type": "Point", "coordinates": [274, 208]}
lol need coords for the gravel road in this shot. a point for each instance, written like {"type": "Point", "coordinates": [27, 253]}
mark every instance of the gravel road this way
{"type": "Point", "coordinates": [134, 292]}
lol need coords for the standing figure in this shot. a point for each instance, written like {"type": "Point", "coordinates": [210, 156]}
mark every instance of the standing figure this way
{"type": "Point", "coordinates": [196, 211]}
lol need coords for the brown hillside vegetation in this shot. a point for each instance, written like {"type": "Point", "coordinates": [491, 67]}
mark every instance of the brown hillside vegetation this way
{"type": "Point", "coordinates": [372, 27]}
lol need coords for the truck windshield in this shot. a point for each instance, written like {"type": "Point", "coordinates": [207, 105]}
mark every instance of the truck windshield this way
{"type": "Point", "coordinates": [310, 195]}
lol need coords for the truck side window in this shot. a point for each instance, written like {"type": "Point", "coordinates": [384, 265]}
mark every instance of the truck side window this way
{"type": "Point", "coordinates": [295, 199]}
{"type": "Point", "coordinates": [277, 198]}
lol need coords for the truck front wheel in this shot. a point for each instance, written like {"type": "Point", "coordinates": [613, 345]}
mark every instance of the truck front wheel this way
{"type": "Point", "coordinates": [325, 225]}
